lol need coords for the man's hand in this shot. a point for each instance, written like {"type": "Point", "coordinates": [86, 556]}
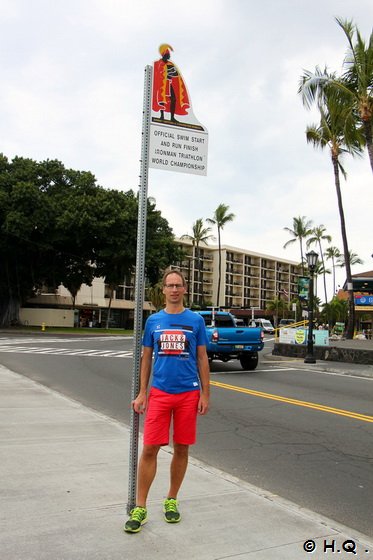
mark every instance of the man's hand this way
{"type": "Point", "coordinates": [203, 405]}
{"type": "Point", "coordinates": [139, 404]}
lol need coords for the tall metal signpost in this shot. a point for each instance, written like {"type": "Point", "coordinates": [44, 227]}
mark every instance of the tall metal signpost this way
{"type": "Point", "coordinates": [173, 140]}
{"type": "Point", "coordinates": [139, 287]}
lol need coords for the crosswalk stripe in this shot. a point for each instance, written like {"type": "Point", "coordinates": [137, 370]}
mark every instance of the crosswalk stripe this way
{"type": "Point", "coordinates": [41, 338]}
{"type": "Point", "coordinates": [66, 351]}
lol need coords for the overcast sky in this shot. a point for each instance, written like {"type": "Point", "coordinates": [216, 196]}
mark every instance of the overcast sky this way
{"type": "Point", "coordinates": [72, 74]}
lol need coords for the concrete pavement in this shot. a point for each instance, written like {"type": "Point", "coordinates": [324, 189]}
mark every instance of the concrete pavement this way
{"type": "Point", "coordinates": [349, 368]}
{"type": "Point", "coordinates": [63, 477]}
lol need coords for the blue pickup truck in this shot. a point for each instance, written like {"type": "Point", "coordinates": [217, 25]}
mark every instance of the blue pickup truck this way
{"type": "Point", "coordinates": [227, 341]}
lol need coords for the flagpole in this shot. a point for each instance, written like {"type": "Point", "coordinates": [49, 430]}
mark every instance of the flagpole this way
{"type": "Point", "coordinates": [139, 287]}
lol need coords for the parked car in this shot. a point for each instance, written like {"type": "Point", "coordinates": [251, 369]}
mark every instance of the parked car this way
{"type": "Point", "coordinates": [265, 324]}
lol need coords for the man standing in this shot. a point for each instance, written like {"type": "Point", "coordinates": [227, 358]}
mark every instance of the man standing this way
{"type": "Point", "coordinates": [179, 391]}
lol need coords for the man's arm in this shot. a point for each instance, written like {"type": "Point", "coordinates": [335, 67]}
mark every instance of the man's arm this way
{"type": "Point", "coordinates": [139, 404]}
{"type": "Point", "coordinates": [204, 376]}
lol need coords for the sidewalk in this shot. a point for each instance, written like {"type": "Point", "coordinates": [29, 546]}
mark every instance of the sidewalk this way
{"type": "Point", "coordinates": [343, 368]}
{"type": "Point", "coordinates": [355, 357]}
{"type": "Point", "coordinates": [63, 474]}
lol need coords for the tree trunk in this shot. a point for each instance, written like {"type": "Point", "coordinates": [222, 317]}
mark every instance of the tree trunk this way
{"type": "Point", "coordinates": [351, 303]}
{"type": "Point", "coordinates": [324, 274]}
{"type": "Point", "coordinates": [368, 137]}
{"type": "Point", "coordinates": [219, 275]}
{"type": "Point", "coordinates": [9, 311]}
{"type": "Point", "coordinates": [301, 255]}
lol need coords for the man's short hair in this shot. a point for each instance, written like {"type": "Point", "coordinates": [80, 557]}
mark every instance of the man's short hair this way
{"type": "Point", "coordinates": [173, 271]}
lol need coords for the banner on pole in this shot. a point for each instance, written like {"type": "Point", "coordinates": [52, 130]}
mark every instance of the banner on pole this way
{"type": "Point", "coordinates": [303, 287]}
{"type": "Point", "coordinates": [178, 141]}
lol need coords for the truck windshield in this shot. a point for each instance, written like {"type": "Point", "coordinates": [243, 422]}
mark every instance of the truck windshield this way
{"type": "Point", "coordinates": [220, 321]}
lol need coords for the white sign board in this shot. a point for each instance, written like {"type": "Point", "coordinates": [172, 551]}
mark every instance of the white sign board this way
{"type": "Point", "coordinates": [178, 141]}
{"type": "Point", "coordinates": [300, 336]}
{"type": "Point", "coordinates": [176, 149]}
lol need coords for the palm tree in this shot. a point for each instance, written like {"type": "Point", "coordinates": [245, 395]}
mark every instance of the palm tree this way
{"type": "Point", "coordinates": [332, 253]}
{"type": "Point", "coordinates": [301, 230]}
{"type": "Point", "coordinates": [320, 270]}
{"type": "Point", "coordinates": [355, 85]}
{"type": "Point", "coordinates": [358, 78]}
{"type": "Point", "coordinates": [279, 307]}
{"type": "Point", "coordinates": [200, 234]}
{"type": "Point", "coordinates": [337, 132]}
{"type": "Point", "coordinates": [317, 235]}
{"type": "Point", "coordinates": [353, 258]}
{"type": "Point", "coordinates": [155, 294]}
{"type": "Point", "coordinates": [220, 218]}
{"type": "Point", "coordinates": [335, 310]}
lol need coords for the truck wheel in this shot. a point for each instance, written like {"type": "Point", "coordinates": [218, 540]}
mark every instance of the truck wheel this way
{"type": "Point", "coordinates": [249, 361]}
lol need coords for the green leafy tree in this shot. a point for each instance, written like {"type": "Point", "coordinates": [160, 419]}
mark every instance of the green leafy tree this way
{"type": "Point", "coordinates": [161, 248]}
{"type": "Point", "coordinates": [116, 249]}
{"type": "Point", "coordinates": [353, 258]}
{"type": "Point", "coordinates": [318, 234]}
{"type": "Point", "coordinates": [301, 230]}
{"type": "Point", "coordinates": [59, 227]}
{"type": "Point", "coordinates": [335, 310]}
{"type": "Point", "coordinates": [221, 217]}
{"type": "Point", "coordinates": [354, 86]}
{"type": "Point", "coordinates": [279, 308]}
{"type": "Point", "coordinates": [155, 295]}
{"type": "Point", "coordinates": [336, 131]}
{"type": "Point", "coordinates": [200, 234]}
{"type": "Point", "coordinates": [320, 270]}
{"type": "Point", "coordinates": [332, 253]}
{"type": "Point", "coordinates": [26, 226]}
{"type": "Point", "coordinates": [357, 79]}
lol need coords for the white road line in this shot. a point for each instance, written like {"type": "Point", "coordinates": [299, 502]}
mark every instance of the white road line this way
{"type": "Point", "coordinates": [32, 340]}
{"type": "Point", "coordinates": [277, 369]}
{"type": "Point", "coordinates": [66, 351]}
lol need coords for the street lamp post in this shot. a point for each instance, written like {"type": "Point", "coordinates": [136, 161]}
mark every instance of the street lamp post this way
{"type": "Point", "coordinates": [311, 262]}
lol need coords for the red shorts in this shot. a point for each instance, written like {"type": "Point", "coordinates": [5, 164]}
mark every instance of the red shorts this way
{"type": "Point", "coordinates": [182, 408]}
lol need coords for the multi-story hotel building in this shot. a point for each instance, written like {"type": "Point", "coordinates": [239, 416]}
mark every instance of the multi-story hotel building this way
{"type": "Point", "coordinates": [249, 281]}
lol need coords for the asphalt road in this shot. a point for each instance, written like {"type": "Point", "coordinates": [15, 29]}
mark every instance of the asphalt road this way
{"type": "Point", "coordinates": [305, 435]}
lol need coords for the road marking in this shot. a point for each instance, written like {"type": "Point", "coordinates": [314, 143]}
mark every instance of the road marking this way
{"type": "Point", "coordinates": [296, 402]}
{"type": "Point", "coordinates": [66, 351]}
{"type": "Point", "coordinates": [323, 371]}
{"type": "Point", "coordinates": [275, 369]}
{"type": "Point", "coordinates": [42, 338]}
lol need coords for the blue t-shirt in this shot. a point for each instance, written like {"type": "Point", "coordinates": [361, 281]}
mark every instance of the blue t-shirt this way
{"type": "Point", "coordinates": [174, 339]}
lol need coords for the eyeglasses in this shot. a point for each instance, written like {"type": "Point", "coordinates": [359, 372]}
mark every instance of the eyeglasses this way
{"type": "Point", "coordinates": [175, 286]}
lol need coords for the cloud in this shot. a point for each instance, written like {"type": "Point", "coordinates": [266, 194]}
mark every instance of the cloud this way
{"type": "Point", "coordinates": [72, 89]}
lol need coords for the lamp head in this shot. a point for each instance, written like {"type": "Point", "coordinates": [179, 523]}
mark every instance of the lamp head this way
{"type": "Point", "coordinates": [312, 260]}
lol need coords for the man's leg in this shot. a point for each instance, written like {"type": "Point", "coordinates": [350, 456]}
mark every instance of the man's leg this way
{"type": "Point", "coordinates": [178, 468]}
{"type": "Point", "coordinates": [146, 472]}
{"type": "Point", "coordinates": [185, 429]}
